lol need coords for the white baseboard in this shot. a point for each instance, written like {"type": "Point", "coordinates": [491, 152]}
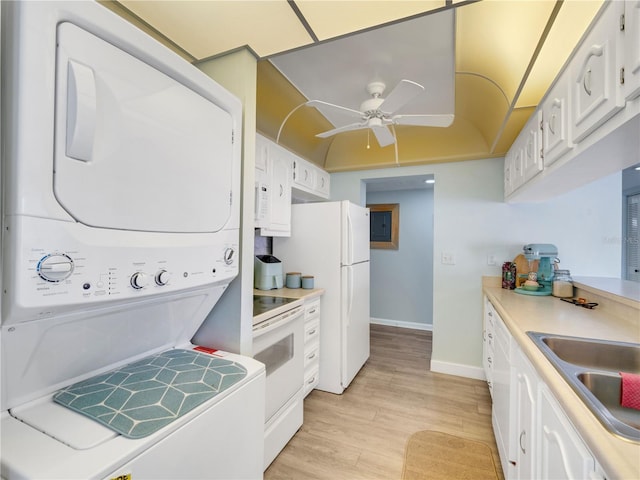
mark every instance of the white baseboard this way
{"type": "Point", "coordinates": [458, 370]}
{"type": "Point", "coordinates": [397, 323]}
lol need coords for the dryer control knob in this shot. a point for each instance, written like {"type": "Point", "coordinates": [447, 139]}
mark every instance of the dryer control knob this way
{"type": "Point", "coordinates": [162, 277]}
{"type": "Point", "coordinates": [139, 280]}
{"type": "Point", "coordinates": [55, 267]}
{"type": "Point", "coordinates": [229, 255]}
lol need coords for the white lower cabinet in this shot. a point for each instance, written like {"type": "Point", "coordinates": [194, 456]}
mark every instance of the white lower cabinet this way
{"type": "Point", "coordinates": [488, 343]}
{"type": "Point", "coordinates": [526, 414]}
{"type": "Point", "coordinates": [563, 454]}
{"type": "Point", "coordinates": [311, 344]}
{"type": "Point", "coordinates": [535, 438]}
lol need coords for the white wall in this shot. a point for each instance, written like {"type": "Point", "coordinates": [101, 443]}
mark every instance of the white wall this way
{"type": "Point", "coordinates": [405, 299]}
{"type": "Point", "coordinates": [472, 221]}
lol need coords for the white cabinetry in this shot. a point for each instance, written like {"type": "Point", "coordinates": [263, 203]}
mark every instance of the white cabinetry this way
{"type": "Point", "coordinates": [535, 438]}
{"type": "Point", "coordinates": [502, 412]}
{"type": "Point", "coordinates": [563, 454]}
{"type": "Point", "coordinates": [632, 48]}
{"type": "Point", "coordinates": [273, 189]}
{"type": "Point", "coordinates": [311, 344]}
{"type": "Point", "coordinates": [488, 344]}
{"type": "Point", "coordinates": [524, 159]}
{"type": "Point", "coordinates": [526, 386]}
{"type": "Point", "coordinates": [309, 181]}
{"type": "Point", "coordinates": [596, 89]}
{"type": "Point", "coordinates": [556, 140]}
{"type": "Point", "coordinates": [531, 146]}
{"type": "Point", "coordinates": [592, 107]}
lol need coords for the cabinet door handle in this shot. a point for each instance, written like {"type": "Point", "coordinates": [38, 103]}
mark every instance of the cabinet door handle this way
{"type": "Point", "coordinates": [552, 124]}
{"type": "Point", "coordinates": [311, 312]}
{"type": "Point", "coordinates": [490, 335]}
{"type": "Point", "coordinates": [312, 332]}
{"type": "Point", "coordinates": [585, 71]}
{"type": "Point", "coordinates": [522, 434]}
{"type": "Point", "coordinates": [586, 81]}
{"type": "Point", "coordinates": [311, 380]}
{"type": "Point", "coordinates": [281, 190]}
{"type": "Point", "coordinates": [312, 356]}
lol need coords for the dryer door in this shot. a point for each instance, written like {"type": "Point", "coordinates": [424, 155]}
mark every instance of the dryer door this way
{"type": "Point", "coordinates": [135, 149]}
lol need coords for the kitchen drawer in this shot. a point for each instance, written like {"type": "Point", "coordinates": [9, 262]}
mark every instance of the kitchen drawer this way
{"type": "Point", "coordinates": [310, 380]}
{"type": "Point", "coordinates": [312, 309]}
{"type": "Point", "coordinates": [311, 355]}
{"type": "Point", "coordinates": [311, 331]}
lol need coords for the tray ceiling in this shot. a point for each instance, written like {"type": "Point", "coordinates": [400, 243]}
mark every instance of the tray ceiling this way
{"type": "Point", "coordinates": [490, 69]}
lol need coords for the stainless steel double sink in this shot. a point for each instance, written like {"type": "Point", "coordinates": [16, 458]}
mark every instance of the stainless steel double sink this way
{"type": "Point", "coordinates": [591, 367]}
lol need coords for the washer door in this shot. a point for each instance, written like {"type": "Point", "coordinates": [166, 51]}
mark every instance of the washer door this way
{"type": "Point", "coordinates": [135, 149]}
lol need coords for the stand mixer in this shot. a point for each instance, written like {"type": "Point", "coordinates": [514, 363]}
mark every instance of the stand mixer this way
{"type": "Point", "coordinates": [546, 254]}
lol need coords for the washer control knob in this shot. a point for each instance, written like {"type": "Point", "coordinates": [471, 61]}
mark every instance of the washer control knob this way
{"type": "Point", "coordinates": [139, 280]}
{"type": "Point", "coordinates": [229, 255]}
{"type": "Point", "coordinates": [55, 267]}
{"type": "Point", "coordinates": [162, 277]}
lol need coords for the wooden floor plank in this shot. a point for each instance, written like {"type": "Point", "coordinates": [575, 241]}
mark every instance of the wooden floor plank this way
{"type": "Point", "coordinates": [362, 433]}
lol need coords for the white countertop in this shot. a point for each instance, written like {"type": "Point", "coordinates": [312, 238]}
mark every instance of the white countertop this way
{"type": "Point", "coordinates": [521, 313]}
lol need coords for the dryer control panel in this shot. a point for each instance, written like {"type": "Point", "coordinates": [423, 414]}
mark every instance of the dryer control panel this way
{"type": "Point", "coordinates": [57, 272]}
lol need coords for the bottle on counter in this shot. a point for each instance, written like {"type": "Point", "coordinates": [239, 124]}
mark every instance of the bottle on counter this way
{"type": "Point", "coordinates": [562, 284]}
{"type": "Point", "coordinates": [509, 275]}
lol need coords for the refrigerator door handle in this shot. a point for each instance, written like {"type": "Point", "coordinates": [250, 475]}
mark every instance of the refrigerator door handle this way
{"type": "Point", "coordinates": [349, 294]}
{"type": "Point", "coordinates": [349, 251]}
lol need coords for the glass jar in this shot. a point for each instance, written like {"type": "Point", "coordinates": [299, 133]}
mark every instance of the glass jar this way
{"type": "Point", "coordinates": [562, 284]}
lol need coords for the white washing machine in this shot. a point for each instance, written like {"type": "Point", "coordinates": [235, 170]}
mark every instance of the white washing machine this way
{"type": "Point", "coordinates": [121, 184]}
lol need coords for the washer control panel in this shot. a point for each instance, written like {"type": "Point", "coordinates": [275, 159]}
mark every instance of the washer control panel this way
{"type": "Point", "coordinates": [47, 280]}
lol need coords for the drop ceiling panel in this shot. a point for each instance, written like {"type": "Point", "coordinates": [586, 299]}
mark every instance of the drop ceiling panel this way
{"type": "Point", "coordinates": [207, 28]}
{"type": "Point", "coordinates": [497, 39]}
{"type": "Point", "coordinates": [338, 71]}
{"type": "Point", "coordinates": [329, 19]}
{"type": "Point", "coordinates": [571, 22]}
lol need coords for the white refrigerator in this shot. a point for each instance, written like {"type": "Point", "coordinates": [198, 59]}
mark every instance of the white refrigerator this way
{"type": "Point", "coordinates": [330, 240]}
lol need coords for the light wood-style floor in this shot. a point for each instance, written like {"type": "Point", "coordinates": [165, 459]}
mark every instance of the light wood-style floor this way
{"type": "Point", "coordinates": [362, 433]}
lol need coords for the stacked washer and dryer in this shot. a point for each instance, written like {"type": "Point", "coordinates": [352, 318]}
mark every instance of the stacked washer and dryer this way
{"type": "Point", "coordinates": [120, 230]}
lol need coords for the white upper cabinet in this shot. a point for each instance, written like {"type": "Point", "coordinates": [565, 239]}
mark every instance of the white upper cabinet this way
{"type": "Point", "coordinates": [272, 189]}
{"type": "Point", "coordinates": [531, 150]}
{"type": "Point", "coordinates": [595, 74]}
{"type": "Point", "coordinates": [593, 106]}
{"type": "Point", "coordinates": [303, 174]}
{"type": "Point", "coordinates": [556, 139]}
{"type": "Point", "coordinates": [632, 48]}
{"type": "Point", "coordinates": [310, 182]}
{"type": "Point", "coordinates": [322, 183]}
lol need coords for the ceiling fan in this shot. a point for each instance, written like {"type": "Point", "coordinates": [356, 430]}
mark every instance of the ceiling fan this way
{"type": "Point", "coordinates": [378, 113]}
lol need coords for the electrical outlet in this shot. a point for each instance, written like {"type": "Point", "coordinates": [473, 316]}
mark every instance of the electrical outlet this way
{"type": "Point", "coordinates": [491, 260]}
{"type": "Point", "coordinates": [448, 258]}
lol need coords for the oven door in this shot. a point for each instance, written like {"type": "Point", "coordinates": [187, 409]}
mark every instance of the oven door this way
{"type": "Point", "coordinates": [278, 343]}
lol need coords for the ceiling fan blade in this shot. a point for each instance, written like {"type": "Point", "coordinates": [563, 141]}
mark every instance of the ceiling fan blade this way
{"type": "Point", "coordinates": [402, 93]}
{"type": "Point", "coordinates": [424, 120]}
{"type": "Point", "coordinates": [346, 128]}
{"type": "Point", "coordinates": [383, 135]}
{"type": "Point", "coordinates": [325, 106]}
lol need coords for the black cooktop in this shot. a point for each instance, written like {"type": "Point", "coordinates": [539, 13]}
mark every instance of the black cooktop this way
{"type": "Point", "coordinates": [264, 303]}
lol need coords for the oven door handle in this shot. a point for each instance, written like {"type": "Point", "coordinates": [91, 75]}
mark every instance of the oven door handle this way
{"type": "Point", "coordinates": [276, 322]}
